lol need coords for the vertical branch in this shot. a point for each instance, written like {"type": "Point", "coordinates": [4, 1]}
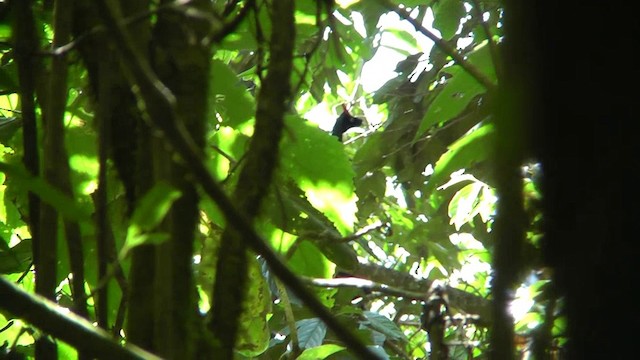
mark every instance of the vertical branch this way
{"type": "Point", "coordinates": [512, 113]}
{"type": "Point", "coordinates": [182, 63]}
{"type": "Point", "coordinates": [104, 133]}
{"type": "Point", "coordinates": [56, 162]}
{"type": "Point", "coordinates": [255, 177]}
{"type": "Point", "coordinates": [26, 43]}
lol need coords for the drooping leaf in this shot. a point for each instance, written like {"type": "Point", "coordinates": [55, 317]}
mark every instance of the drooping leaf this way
{"type": "Point", "coordinates": [458, 90]}
{"type": "Point", "coordinates": [311, 332]}
{"type": "Point", "coordinates": [383, 325]}
{"type": "Point", "coordinates": [47, 193]}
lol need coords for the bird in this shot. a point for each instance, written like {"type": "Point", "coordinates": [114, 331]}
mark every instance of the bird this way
{"type": "Point", "coordinates": [344, 122]}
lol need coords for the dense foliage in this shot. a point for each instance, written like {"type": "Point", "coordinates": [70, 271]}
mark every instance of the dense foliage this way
{"type": "Point", "coordinates": [391, 228]}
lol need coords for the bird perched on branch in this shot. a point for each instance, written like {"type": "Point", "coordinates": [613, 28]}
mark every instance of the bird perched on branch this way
{"type": "Point", "coordinates": [345, 122]}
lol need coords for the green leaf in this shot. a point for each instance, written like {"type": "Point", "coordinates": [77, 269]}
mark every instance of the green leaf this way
{"type": "Point", "coordinates": [320, 352]}
{"type": "Point", "coordinates": [452, 99]}
{"type": "Point", "coordinates": [8, 127]}
{"type": "Point", "coordinates": [153, 207]}
{"type": "Point", "coordinates": [464, 204]}
{"type": "Point", "coordinates": [383, 325]}
{"type": "Point", "coordinates": [480, 57]}
{"type": "Point", "coordinates": [231, 97]}
{"type": "Point", "coordinates": [471, 148]}
{"type": "Point", "coordinates": [308, 260]}
{"type": "Point", "coordinates": [458, 90]}
{"type": "Point", "coordinates": [447, 15]}
{"type": "Point", "coordinates": [66, 206]}
{"type": "Point", "coordinates": [318, 164]}
{"type": "Point", "coordinates": [254, 334]}
{"type": "Point", "coordinates": [311, 332]}
{"type": "Point", "coordinates": [16, 259]}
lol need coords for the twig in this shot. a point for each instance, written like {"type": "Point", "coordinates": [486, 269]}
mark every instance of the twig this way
{"type": "Point", "coordinates": [364, 284]}
{"type": "Point", "coordinates": [443, 46]}
{"type": "Point", "coordinates": [231, 26]}
{"type": "Point", "coordinates": [364, 231]}
{"type": "Point", "coordinates": [493, 50]}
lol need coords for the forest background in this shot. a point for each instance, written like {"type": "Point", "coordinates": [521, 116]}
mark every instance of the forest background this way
{"type": "Point", "coordinates": [165, 179]}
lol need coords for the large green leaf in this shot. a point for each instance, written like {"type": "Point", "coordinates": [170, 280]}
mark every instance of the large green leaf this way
{"type": "Point", "coordinates": [311, 332]}
{"type": "Point", "coordinates": [318, 164]}
{"type": "Point", "coordinates": [456, 93]}
{"type": "Point", "coordinates": [458, 90]}
{"type": "Point", "coordinates": [231, 98]}
{"type": "Point", "coordinates": [308, 260]}
{"type": "Point", "coordinates": [383, 325]}
{"type": "Point", "coordinates": [47, 193]}
{"type": "Point", "coordinates": [471, 148]}
{"type": "Point", "coordinates": [447, 15]}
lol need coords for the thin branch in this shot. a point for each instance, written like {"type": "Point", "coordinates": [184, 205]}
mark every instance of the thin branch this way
{"type": "Point", "coordinates": [443, 46]}
{"type": "Point", "coordinates": [493, 49]}
{"type": "Point", "coordinates": [26, 44]}
{"type": "Point", "coordinates": [254, 179]}
{"type": "Point", "coordinates": [314, 47]}
{"type": "Point", "coordinates": [364, 284]}
{"type": "Point", "coordinates": [289, 318]}
{"type": "Point", "coordinates": [230, 26]}
{"type": "Point", "coordinates": [364, 231]}
{"type": "Point", "coordinates": [127, 21]}
{"type": "Point", "coordinates": [56, 159]}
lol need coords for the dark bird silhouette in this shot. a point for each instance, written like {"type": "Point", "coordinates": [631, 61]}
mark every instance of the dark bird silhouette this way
{"type": "Point", "coordinates": [345, 122]}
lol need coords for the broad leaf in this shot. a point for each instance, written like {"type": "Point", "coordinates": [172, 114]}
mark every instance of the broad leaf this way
{"type": "Point", "coordinates": [383, 325]}
{"type": "Point", "coordinates": [152, 209]}
{"type": "Point", "coordinates": [311, 332]}
{"type": "Point", "coordinates": [470, 149]}
{"type": "Point", "coordinates": [320, 352]}
{"type": "Point", "coordinates": [231, 98]}
{"type": "Point", "coordinates": [318, 164]}
{"type": "Point", "coordinates": [47, 193]}
{"type": "Point", "coordinates": [447, 14]}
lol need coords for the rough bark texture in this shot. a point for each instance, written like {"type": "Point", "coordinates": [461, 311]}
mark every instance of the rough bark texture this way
{"type": "Point", "coordinates": [182, 63]}
{"type": "Point", "coordinates": [129, 147]}
{"type": "Point", "coordinates": [255, 177]}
